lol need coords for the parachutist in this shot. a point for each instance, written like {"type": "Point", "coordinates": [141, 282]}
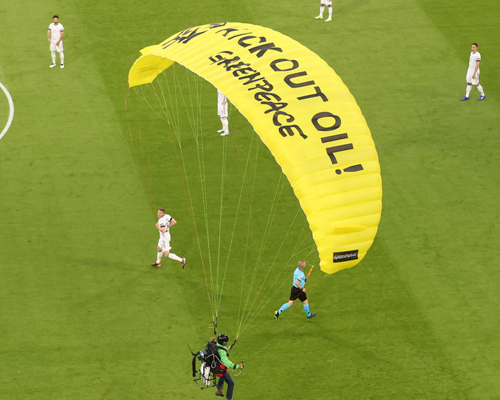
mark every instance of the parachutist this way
{"type": "Point", "coordinates": [215, 363]}
{"type": "Point", "coordinates": [298, 290]}
{"type": "Point", "coordinates": [222, 341]}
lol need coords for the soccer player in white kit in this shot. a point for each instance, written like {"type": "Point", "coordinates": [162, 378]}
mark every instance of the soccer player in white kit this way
{"type": "Point", "coordinates": [472, 76]}
{"type": "Point", "coordinates": [55, 36]}
{"type": "Point", "coordinates": [324, 3]}
{"type": "Point", "coordinates": [222, 112]}
{"type": "Point", "coordinates": [163, 225]}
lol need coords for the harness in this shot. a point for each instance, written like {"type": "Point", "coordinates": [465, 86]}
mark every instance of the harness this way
{"type": "Point", "coordinates": [211, 366]}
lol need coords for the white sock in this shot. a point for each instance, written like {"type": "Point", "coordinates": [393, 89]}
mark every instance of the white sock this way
{"type": "Point", "coordinates": [467, 91]}
{"type": "Point", "coordinates": [61, 54]}
{"type": "Point", "coordinates": [174, 257]}
{"type": "Point", "coordinates": [225, 124]}
{"type": "Point", "coordinates": [321, 9]}
{"type": "Point", "coordinates": [158, 256]}
{"type": "Point", "coordinates": [53, 54]}
{"type": "Point", "coordinates": [480, 88]}
{"type": "Point", "coordinates": [330, 12]}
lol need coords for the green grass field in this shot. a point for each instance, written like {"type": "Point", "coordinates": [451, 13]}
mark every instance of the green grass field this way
{"type": "Point", "coordinates": [84, 316]}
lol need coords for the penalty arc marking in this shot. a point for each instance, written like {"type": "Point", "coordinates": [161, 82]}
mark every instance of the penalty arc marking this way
{"type": "Point", "coordinates": [11, 110]}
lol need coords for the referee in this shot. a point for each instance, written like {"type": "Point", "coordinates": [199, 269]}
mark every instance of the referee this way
{"type": "Point", "coordinates": [298, 291]}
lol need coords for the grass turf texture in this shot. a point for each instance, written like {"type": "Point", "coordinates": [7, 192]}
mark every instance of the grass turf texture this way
{"type": "Point", "coordinates": [83, 316]}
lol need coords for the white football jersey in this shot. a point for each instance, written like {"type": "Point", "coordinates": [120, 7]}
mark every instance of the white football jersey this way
{"type": "Point", "coordinates": [164, 222]}
{"type": "Point", "coordinates": [474, 57]}
{"type": "Point", "coordinates": [222, 104]}
{"type": "Point", "coordinates": [55, 32]}
{"type": "Point", "coordinates": [221, 97]}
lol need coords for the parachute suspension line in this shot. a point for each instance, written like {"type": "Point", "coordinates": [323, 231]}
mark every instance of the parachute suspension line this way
{"type": "Point", "coordinates": [166, 96]}
{"type": "Point", "coordinates": [268, 315]}
{"type": "Point", "coordinates": [221, 208]}
{"type": "Point", "coordinates": [171, 109]}
{"type": "Point", "coordinates": [270, 295]}
{"type": "Point", "coordinates": [145, 98]}
{"type": "Point", "coordinates": [194, 98]}
{"type": "Point", "coordinates": [237, 213]}
{"type": "Point", "coordinates": [142, 92]}
{"type": "Point", "coordinates": [200, 149]}
{"type": "Point", "coordinates": [209, 278]}
{"type": "Point", "coordinates": [197, 134]}
{"type": "Point", "coordinates": [214, 284]}
{"type": "Point", "coordinates": [240, 311]}
{"type": "Point", "coordinates": [168, 103]}
{"type": "Point", "coordinates": [265, 299]}
{"type": "Point", "coordinates": [277, 194]}
{"type": "Point", "coordinates": [196, 127]}
{"type": "Point", "coordinates": [139, 158]}
{"type": "Point", "coordinates": [245, 319]}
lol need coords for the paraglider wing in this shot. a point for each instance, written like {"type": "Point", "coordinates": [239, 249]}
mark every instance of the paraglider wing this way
{"type": "Point", "coordinates": [304, 114]}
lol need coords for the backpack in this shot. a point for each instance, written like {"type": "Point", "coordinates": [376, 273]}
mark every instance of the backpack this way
{"type": "Point", "coordinates": [211, 365]}
{"type": "Point", "coordinates": [212, 359]}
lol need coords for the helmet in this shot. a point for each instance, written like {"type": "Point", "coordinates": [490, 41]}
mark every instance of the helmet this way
{"type": "Point", "coordinates": [222, 339]}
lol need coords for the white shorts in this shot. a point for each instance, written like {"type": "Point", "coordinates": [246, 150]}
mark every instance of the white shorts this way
{"type": "Point", "coordinates": [164, 243]}
{"type": "Point", "coordinates": [59, 48]}
{"type": "Point", "coordinates": [469, 78]}
{"type": "Point", "coordinates": [326, 2]}
{"type": "Point", "coordinates": [222, 110]}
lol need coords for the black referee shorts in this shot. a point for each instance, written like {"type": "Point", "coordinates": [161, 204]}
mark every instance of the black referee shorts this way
{"type": "Point", "coordinates": [296, 293]}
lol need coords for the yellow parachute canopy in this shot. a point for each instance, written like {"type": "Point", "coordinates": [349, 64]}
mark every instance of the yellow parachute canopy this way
{"type": "Point", "coordinates": [304, 114]}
